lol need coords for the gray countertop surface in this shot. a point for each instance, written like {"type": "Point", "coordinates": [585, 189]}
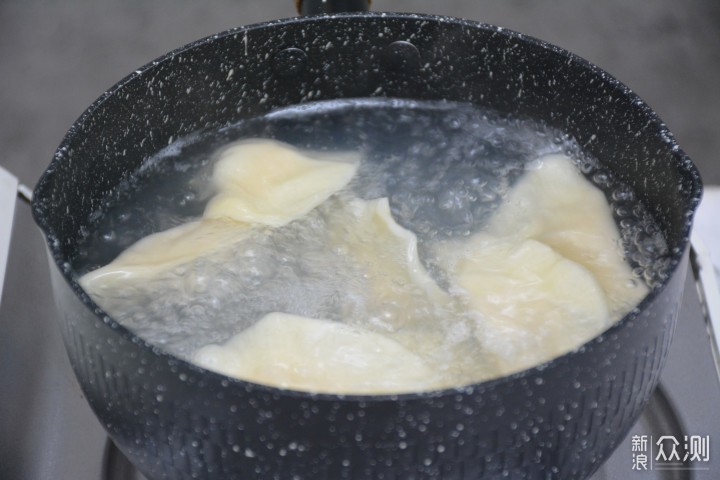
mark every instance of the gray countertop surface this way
{"type": "Point", "coordinates": [57, 57]}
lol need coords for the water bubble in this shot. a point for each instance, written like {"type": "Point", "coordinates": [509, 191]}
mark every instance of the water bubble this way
{"type": "Point", "coordinates": [601, 179]}
{"type": "Point", "coordinates": [623, 193]}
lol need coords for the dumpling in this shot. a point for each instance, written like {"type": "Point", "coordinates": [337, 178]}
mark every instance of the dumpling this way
{"type": "Point", "coordinates": [259, 181]}
{"type": "Point", "coordinates": [554, 204]}
{"type": "Point", "coordinates": [388, 254]}
{"type": "Point", "coordinates": [545, 275]}
{"type": "Point", "coordinates": [404, 301]}
{"type": "Point", "coordinates": [323, 356]}
{"type": "Point", "coordinates": [163, 251]}
{"type": "Point", "coordinates": [271, 183]}
{"type": "Point", "coordinates": [533, 303]}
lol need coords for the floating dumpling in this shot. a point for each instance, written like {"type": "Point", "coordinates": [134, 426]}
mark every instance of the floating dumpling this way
{"type": "Point", "coordinates": [259, 181]}
{"type": "Point", "coordinates": [388, 253]}
{"type": "Point", "coordinates": [317, 355]}
{"type": "Point", "coordinates": [534, 304]}
{"type": "Point", "coordinates": [163, 251]}
{"type": "Point", "coordinates": [405, 302]}
{"type": "Point", "coordinates": [545, 275]}
{"type": "Point", "coordinates": [554, 204]}
{"type": "Point", "coordinates": [268, 182]}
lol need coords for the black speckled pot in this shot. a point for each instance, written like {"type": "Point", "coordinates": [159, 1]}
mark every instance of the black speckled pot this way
{"type": "Point", "coordinates": [177, 421]}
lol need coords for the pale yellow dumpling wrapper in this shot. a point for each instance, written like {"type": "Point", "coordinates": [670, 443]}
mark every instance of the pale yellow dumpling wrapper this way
{"type": "Point", "coordinates": [546, 274]}
{"type": "Point", "coordinates": [413, 309]}
{"type": "Point", "coordinates": [318, 355]}
{"type": "Point", "coordinates": [533, 303]}
{"type": "Point", "coordinates": [554, 204]}
{"type": "Point", "coordinates": [271, 183]}
{"type": "Point", "coordinates": [389, 255]}
{"type": "Point", "coordinates": [163, 251]}
{"type": "Point", "coordinates": [259, 181]}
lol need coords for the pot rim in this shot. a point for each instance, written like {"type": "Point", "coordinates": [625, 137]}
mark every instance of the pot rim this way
{"type": "Point", "coordinates": [682, 162]}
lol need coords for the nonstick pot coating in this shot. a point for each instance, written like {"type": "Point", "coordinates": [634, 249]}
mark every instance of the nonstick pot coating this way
{"type": "Point", "coordinates": [175, 420]}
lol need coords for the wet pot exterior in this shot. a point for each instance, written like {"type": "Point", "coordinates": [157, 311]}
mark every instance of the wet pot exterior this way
{"type": "Point", "coordinates": [174, 420]}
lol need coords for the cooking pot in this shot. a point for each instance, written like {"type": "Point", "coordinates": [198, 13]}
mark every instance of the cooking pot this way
{"type": "Point", "coordinates": [178, 421]}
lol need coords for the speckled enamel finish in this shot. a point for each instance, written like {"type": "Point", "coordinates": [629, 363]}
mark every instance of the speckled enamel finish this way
{"type": "Point", "coordinates": [176, 421]}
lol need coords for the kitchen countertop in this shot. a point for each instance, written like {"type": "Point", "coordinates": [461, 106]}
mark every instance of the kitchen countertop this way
{"type": "Point", "coordinates": [57, 57]}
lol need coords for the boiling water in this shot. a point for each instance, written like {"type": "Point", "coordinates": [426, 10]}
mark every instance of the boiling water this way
{"type": "Point", "coordinates": [444, 167]}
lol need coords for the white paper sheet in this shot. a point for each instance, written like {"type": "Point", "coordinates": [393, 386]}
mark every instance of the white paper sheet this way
{"type": "Point", "coordinates": [707, 223]}
{"type": "Point", "coordinates": [8, 196]}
